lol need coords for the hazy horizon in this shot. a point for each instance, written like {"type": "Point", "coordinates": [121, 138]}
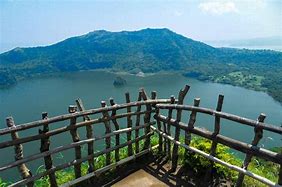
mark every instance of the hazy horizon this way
{"type": "Point", "coordinates": [39, 23]}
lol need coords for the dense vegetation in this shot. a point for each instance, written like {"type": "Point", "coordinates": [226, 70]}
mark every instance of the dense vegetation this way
{"type": "Point", "coordinates": [198, 164]}
{"type": "Point", "coordinates": [148, 50]}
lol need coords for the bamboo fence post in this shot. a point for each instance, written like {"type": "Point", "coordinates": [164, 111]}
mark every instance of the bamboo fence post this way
{"type": "Point", "coordinates": [181, 96]}
{"type": "Point", "coordinates": [209, 173]}
{"type": "Point", "coordinates": [258, 136]}
{"type": "Point", "coordinates": [280, 175]}
{"type": "Point", "coordinates": [160, 148]}
{"type": "Point", "coordinates": [191, 123]}
{"type": "Point", "coordinates": [108, 130]}
{"type": "Point", "coordinates": [169, 116]}
{"type": "Point", "coordinates": [147, 118]}
{"type": "Point", "coordinates": [129, 124]}
{"type": "Point", "coordinates": [89, 135]}
{"type": "Point", "coordinates": [45, 146]}
{"type": "Point", "coordinates": [24, 171]}
{"type": "Point", "coordinates": [138, 122]}
{"type": "Point", "coordinates": [75, 138]}
{"type": "Point", "coordinates": [112, 102]}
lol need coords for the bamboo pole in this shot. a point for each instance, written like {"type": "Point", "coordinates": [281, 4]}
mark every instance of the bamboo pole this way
{"type": "Point", "coordinates": [71, 145]}
{"type": "Point", "coordinates": [147, 118]}
{"type": "Point", "coordinates": [191, 123]}
{"type": "Point", "coordinates": [248, 157]}
{"type": "Point", "coordinates": [64, 117]}
{"type": "Point", "coordinates": [108, 130]}
{"type": "Point", "coordinates": [129, 124]}
{"type": "Point", "coordinates": [66, 128]}
{"type": "Point", "coordinates": [138, 122]}
{"type": "Point", "coordinates": [75, 138]}
{"type": "Point", "coordinates": [89, 135]}
{"type": "Point", "coordinates": [45, 146]}
{"type": "Point", "coordinates": [232, 143]}
{"type": "Point", "coordinates": [74, 162]}
{"type": "Point", "coordinates": [217, 160]}
{"type": "Point", "coordinates": [112, 102]}
{"type": "Point", "coordinates": [24, 171]}
{"type": "Point", "coordinates": [169, 116]}
{"type": "Point", "coordinates": [181, 96]}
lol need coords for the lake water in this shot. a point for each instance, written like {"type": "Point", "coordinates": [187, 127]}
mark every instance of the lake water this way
{"type": "Point", "coordinates": [28, 99]}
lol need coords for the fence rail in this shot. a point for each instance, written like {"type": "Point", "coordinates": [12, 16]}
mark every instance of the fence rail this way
{"type": "Point", "coordinates": [168, 141]}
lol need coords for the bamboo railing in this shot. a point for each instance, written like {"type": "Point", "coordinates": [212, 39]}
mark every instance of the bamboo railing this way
{"type": "Point", "coordinates": [169, 141]}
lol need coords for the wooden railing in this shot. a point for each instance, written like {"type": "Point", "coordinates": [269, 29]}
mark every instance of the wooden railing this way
{"type": "Point", "coordinates": [168, 141]}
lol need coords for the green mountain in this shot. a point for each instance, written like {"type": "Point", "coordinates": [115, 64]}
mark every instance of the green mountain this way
{"type": "Point", "coordinates": [148, 50]}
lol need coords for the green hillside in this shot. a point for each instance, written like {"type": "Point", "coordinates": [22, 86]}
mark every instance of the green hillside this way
{"type": "Point", "coordinates": [148, 50]}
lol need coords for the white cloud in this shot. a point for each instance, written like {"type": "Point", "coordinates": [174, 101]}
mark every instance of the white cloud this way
{"type": "Point", "coordinates": [218, 7]}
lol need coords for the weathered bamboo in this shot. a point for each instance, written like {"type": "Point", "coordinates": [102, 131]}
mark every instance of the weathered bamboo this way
{"type": "Point", "coordinates": [217, 160]}
{"type": "Point", "coordinates": [280, 175]}
{"type": "Point", "coordinates": [114, 112]}
{"type": "Point", "coordinates": [181, 96]}
{"type": "Point", "coordinates": [70, 146]}
{"type": "Point", "coordinates": [89, 135]}
{"type": "Point", "coordinates": [77, 114]}
{"type": "Point", "coordinates": [191, 123]}
{"type": "Point", "coordinates": [160, 148]}
{"type": "Point", "coordinates": [65, 129]}
{"type": "Point", "coordinates": [75, 138]}
{"type": "Point", "coordinates": [129, 124]}
{"type": "Point", "coordinates": [169, 116]}
{"type": "Point", "coordinates": [231, 117]}
{"type": "Point", "coordinates": [45, 146]}
{"type": "Point", "coordinates": [248, 158]}
{"type": "Point", "coordinates": [74, 162]}
{"type": "Point", "coordinates": [209, 173]}
{"type": "Point", "coordinates": [147, 118]}
{"type": "Point", "coordinates": [108, 130]}
{"type": "Point", "coordinates": [137, 123]}
{"type": "Point", "coordinates": [24, 171]}
{"type": "Point", "coordinates": [234, 144]}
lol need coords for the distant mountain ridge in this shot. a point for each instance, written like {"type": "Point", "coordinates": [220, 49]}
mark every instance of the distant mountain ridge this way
{"type": "Point", "coordinates": [147, 50]}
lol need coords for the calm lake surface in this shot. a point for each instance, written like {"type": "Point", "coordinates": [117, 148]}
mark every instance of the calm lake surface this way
{"type": "Point", "coordinates": [28, 99]}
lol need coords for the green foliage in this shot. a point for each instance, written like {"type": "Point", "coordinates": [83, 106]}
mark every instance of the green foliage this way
{"type": "Point", "coordinates": [148, 50]}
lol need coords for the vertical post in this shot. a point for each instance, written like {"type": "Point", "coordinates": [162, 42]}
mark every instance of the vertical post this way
{"type": "Point", "coordinates": [209, 173]}
{"type": "Point", "coordinates": [108, 130]}
{"type": "Point", "coordinates": [75, 138]}
{"type": "Point", "coordinates": [191, 123]}
{"type": "Point", "coordinates": [138, 122]}
{"type": "Point", "coordinates": [181, 96]}
{"type": "Point", "coordinates": [169, 116]}
{"type": "Point", "coordinates": [24, 171]}
{"type": "Point", "coordinates": [160, 148]}
{"type": "Point", "coordinates": [45, 146]}
{"type": "Point", "coordinates": [114, 112]}
{"type": "Point", "coordinates": [258, 135]}
{"type": "Point", "coordinates": [129, 124]}
{"type": "Point", "coordinates": [280, 175]}
{"type": "Point", "coordinates": [89, 135]}
{"type": "Point", "coordinates": [147, 118]}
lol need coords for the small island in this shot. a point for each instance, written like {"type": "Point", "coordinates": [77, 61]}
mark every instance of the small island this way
{"type": "Point", "coordinates": [119, 81]}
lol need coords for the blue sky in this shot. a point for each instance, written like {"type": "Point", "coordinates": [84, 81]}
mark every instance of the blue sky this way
{"type": "Point", "coordinates": [38, 22]}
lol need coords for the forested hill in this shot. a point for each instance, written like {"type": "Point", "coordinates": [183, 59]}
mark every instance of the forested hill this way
{"type": "Point", "coordinates": [148, 50]}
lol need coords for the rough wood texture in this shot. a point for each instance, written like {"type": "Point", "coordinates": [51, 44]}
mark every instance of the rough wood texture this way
{"type": "Point", "coordinates": [217, 160]}
{"type": "Point", "coordinates": [248, 158]}
{"type": "Point", "coordinates": [137, 123]}
{"type": "Point", "coordinates": [24, 171]}
{"type": "Point", "coordinates": [191, 123]}
{"type": "Point", "coordinates": [89, 135]}
{"type": "Point", "coordinates": [45, 146]}
{"type": "Point", "coordinates": [168, 127]}
{"type": "Point", "coordinates": [232, 143]}
{"type": "Point", "coordinates": [147, 118]}
{"type": "Point", "coordinates": [129, 125]}
{"type": "Point", "coordinates": [181, 96]}
{"type": "Point", "coordinates": [280, 175]}
{"type": "Point", "coordinates": [75, 138]}
{"type": "Point", "coordinates": [108, 130]}
{"type": "Point", "coordinates": [114, 112]}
